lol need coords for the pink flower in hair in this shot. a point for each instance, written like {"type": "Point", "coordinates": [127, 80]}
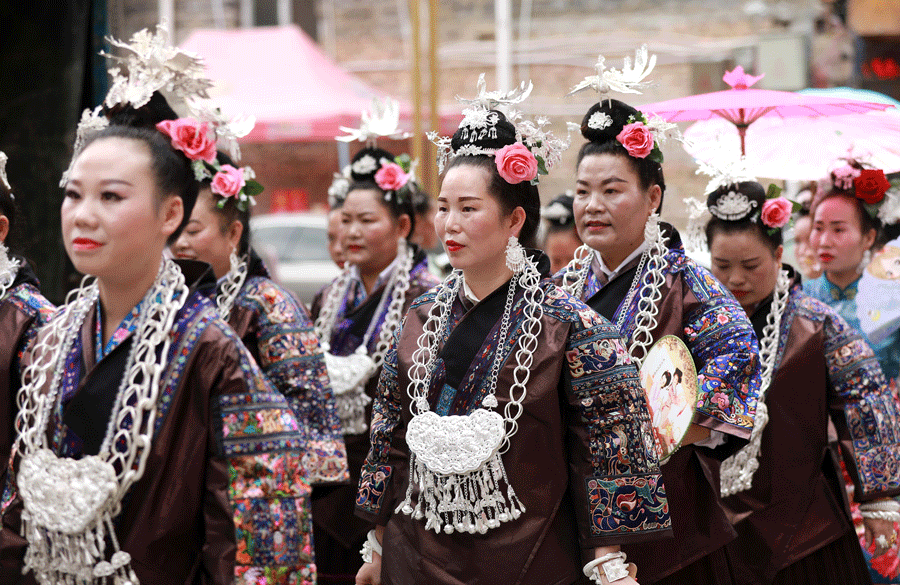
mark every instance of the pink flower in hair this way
{"type": "Point", "coordinates": [390, 177]}
{"type": "Point", "coordinates": [191, 137]}
{"type": "Point", "coordinates": [776, 212]}
{"type": "Point", "coordinates": [637, 139]}
{"type": "Point", "coordinates": [516, 163]}
{"type": "Point", "coordinates": [843, 176]}
{"type": "Point", "coordinates": [228, 182]}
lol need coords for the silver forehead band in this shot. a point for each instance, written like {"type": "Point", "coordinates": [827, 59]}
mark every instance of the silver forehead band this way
{"type": "Point", "coordinates": [732, 206]}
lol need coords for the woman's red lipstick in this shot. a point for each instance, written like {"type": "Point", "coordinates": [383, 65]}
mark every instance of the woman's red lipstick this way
{"type": "Point", "coordinates": [453, 246]}
{"type": "Point", "coordinates": [85, 244]}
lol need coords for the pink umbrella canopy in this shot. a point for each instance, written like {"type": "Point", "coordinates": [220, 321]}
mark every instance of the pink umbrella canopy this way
{"type": "Point", "coordinates": [803, 148]}
{"type": "Point", "coordinates": [742, 106]}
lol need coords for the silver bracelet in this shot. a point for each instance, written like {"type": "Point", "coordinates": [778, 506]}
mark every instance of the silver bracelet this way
{"type": "Point", "coordinates": [613, 565]}
{"type": "Point", "coordinates": [880, 515]}
{"type": "Point", "coordinates": [883, 505]}
{"type": "Point", "coordinates": [371, 545]}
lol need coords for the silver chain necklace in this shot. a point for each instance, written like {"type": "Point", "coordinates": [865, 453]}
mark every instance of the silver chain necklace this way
{"type": "Point", "coordinates": [455, 460]}
{"type": "Point", "coordinates": [737, 471]}
{"type": "Point", "coordinates": [66, 534]}
{"type": "Point", "coordinates": [232, 285]}
{"type": "Point", "coordinates": [349, 374]}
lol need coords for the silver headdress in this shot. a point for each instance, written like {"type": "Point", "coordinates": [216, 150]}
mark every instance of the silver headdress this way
{"type": "Point", "coordinates": [629, 80]}
{"type": "Point", "coordinates": [151, 64]}
{"type": "Point", "coordinates": [3, 178]}
{"type": "Point", "coordinates": [725, 170]}
{"type": "Point", "coordinates": [480, 122]}
{"type": "Point", "coordinates": [340, 185]}
{"type": "Point", "coordinates": [381, 121]}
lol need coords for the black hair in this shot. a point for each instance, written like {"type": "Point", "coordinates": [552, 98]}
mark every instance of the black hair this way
{"type": "Point", "coordinates": [604, 141]}
{"type": "Point", "coordinates": [230, 212]}
{"type": "Point", "coordinates": [750, 223]}
{"type": "Point", "coordinates": [557, 224]}
{"type": "Point", "coordinates": [171, 168]}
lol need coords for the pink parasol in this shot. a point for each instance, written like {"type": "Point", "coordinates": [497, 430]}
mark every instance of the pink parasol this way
{"type": "Point", "coordinates": [742, 106]}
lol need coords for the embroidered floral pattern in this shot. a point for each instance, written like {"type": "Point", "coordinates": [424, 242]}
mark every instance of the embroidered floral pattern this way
{"type": "Point", "coordinates": [291, 359]}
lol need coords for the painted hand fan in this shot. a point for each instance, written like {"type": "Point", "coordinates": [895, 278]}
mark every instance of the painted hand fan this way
{"type": "Point", "coordinates": [670, 381]}
{"type": "Point", "coordinates": [879, 289]}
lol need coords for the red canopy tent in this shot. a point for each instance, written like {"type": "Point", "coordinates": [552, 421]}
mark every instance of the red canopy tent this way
{"type": "Point", "coordinates": [280, 76]}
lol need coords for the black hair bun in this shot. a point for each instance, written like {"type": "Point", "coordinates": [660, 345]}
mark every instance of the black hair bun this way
{"type": "Point", "coordinates": [752, 190]}
{"type": "Point", "coordinates": [559, 212]}
{"type": "Point", "coordinates": [605, 120]}
{"type": "Point", "coordinates": [146, 116]}
{"type": "Point", "coordinates": [485, 129]}
{"type": "Point", "coordinates": [364, 170]}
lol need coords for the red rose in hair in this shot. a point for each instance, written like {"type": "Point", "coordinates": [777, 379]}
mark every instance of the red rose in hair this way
{"type": "Point", "coordinates": [871, 185]}
{"type": "Point", "coordinates": [191, 137]}
{"type": "Point", "coordinates": [637, 139]}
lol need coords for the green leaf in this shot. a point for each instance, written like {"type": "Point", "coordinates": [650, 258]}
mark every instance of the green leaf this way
{"type": "Point", "coordinates": [542, 165]}
{"type": "Point", "coordinates": [200, 170]}
{"type": "Point", "coordinates": [872, 208]}
{"type": "Point", "coordinates": [774, 191]}
{"type": "Point", "coordinates": [221, 203]}
{"type": "Point", "coordinates": [404, 161]}
{"type": "Point", "coordinates": [795, 207]}
{"type": "Point", "coordinates": [656, 155]}
{"type": "Point", "coordinates": [253, 188]}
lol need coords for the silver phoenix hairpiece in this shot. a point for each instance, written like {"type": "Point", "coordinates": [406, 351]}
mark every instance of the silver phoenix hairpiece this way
{"type": "Point", "coordinates": [152, 64]}
{"type": "Point", "coordinates": [381, 121]}
{"type": "Point", "coordinates": [629, 80]}
{"type": "Point", "coordinates": [726, 170]}
{"type": "Point", "coordinates": [480, 122]}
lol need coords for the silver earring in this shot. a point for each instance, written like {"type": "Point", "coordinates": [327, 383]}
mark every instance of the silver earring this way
{"type": "Point", "coordinates": [515, 255]}
{"type": "Point", "coordinates": [233, 260]}
{"type": "Point", "coordinates": [651, 228]}
{"type": "Point", "coordinates": [866, 260]}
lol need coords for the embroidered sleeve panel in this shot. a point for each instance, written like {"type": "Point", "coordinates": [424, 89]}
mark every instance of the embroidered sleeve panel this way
{"type": "Point", "coordinates": [292, 360]}
{"type": "Point", "coordinates": [377, 469]}
{"type": "Point", "coordinates": [268, 487]}
{"type": "Point", "coordinates": [612, 455]}
{"type": "Point", "coordinates": [726, 352]}
{"type": "Point", "coordinates": [863, 406]}
{"type": "Point", "coordinates": [30, 302]}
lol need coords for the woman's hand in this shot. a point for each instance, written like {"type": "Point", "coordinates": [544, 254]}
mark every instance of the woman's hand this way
{"type": "Point", "coordinates": [875, 528]}
{"type": "Point", "coordinates": [370, 573]}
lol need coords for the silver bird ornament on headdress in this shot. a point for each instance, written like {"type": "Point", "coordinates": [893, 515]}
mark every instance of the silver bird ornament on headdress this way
{"type": "Point", "coordinates": [629, 80]}
{"type": "Point", "coordinates": [381, 121]}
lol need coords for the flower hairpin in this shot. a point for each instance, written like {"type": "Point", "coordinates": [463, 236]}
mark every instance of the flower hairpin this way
{"type": "Point", "coordinates": [396, 177]}
{"type": "Point", "coordinates": [198, 143]}
{"type": "Point", "coordinates": [879, 196]}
